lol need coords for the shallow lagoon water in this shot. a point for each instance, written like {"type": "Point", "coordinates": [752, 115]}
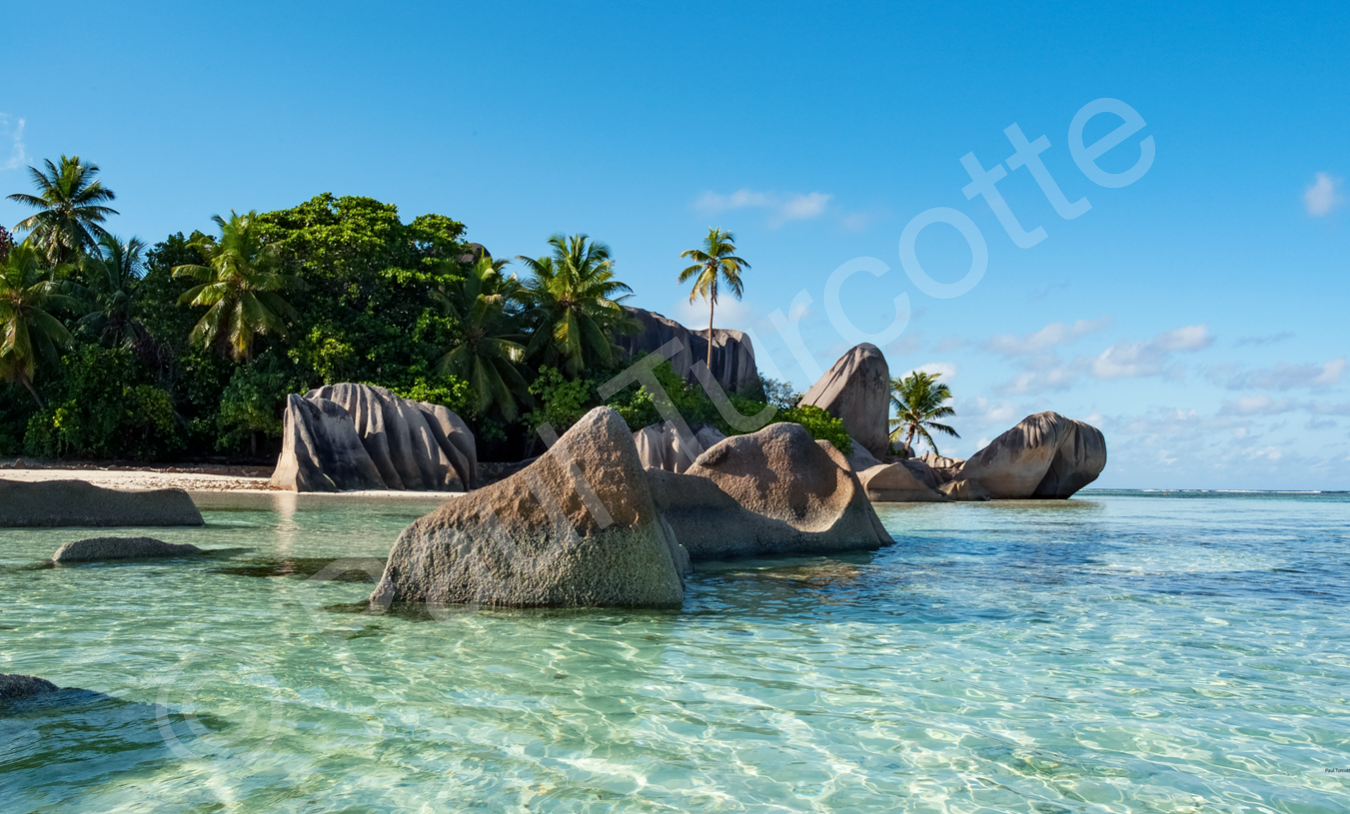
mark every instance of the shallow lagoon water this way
{"type": "Point", "coordinates": [1116, 652]}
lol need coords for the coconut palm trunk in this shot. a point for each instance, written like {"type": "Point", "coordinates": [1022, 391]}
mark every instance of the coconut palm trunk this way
{"type": "Point", "coordinates": [712, 304]}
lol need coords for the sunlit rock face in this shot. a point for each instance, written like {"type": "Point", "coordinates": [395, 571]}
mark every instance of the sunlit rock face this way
{"type": "Point", "coordinates": [857, 390]}
{"type": "Point", "coordinates": [733, 355]}
{"type": "Point", "coordinates": [771, 492]}
{"type": "Point", "coordinates": [576, 528]}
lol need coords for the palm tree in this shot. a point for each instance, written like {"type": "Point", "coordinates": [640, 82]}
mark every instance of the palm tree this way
{"type": "Point", "coordinates": [488, 352]}
{"type": "Point", "coordinates": [70, 209]}
{"type": "Point", "coordinates": [573, 304]}
{"type": "Point", "coordinates": [27, 328]}
{"type": "Point", "coordinates": [717, 260]}
{"type": "Point", "coordinates": [239, 286]}
{"type": "Point", "coordinates": [918, 399]}
{"type": "Point", "coordinates": [110, 277]}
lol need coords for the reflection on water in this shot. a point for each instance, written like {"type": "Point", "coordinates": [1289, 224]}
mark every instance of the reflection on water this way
{"type": "Point", "coordinates": [1115, 653]}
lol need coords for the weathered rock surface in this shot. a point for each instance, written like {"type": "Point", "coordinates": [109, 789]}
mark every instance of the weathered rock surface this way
{"type": "Point", "coordinates": [120, 548]}
{"type": "Point", "coordinates": [659, 446]}
{"type": "Point", "coordinates": [1046, 455]}
{"type": "Point", "coordinates": [857, 390]}
{"type": "Point", "coordinates": [860, 458]}
{"type": "Point", "coordinates": [733, 357]}
{"type": "Point", "coordinates": [897, 483]}
{"type": "Point", "coordinates": [16, 687]}
{"type": "Point", "coordinates": [357, 436]}
{"type": "Point", "coordinates": [965, 490]}
{"type": "Point", "coordinates": [772, 492]}
{"type": "Point", "coordinates": [943, 468]}
{"type": "Point", "coordinates": [578, 527]}
{"type": "Point", "coordinates": [77, 503]}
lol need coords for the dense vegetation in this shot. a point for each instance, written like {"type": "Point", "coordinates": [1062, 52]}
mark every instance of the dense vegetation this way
{"type": "Point", "coordinates": [187, 349]}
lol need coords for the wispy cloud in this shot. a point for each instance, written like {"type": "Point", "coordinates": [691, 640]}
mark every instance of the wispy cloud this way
{"type": "Point", "coordinates": [1323, 195]}
{"type": "Point", "coordinates": [14, 134]}
{"type": "Point", "coordinates": [1257, 405]}
{"type": "Point", "coordinates": [783, 208]}
{"type": "Point", "coordinates": [1056, 333]}
{"type": "Point", "coordinates": [1269, 339]}
{"type": "Point", "coordinates": [1044, 372]}
{"type": "Point", "coordinates": [946, 370]}
{"type": "Point", "coordinates": [1283, 376]}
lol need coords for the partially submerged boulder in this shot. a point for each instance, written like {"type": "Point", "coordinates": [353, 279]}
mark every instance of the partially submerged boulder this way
{"type": "Point", "coordinates": [120, 548]}
{"type": "Point", "coordinates": [578, 527]}
{"type": "Point", "coordinates": [58, 503]}
{"type": "Point", "coordinates": [1045, 456]}
{"type": "Point", "coordinates": [965, 490]}
{"type": "Point", "coordinates": [357, 436]}
{"type": "Point", "coordinates": [897, 483]}
{"type": "Point", "coordinates": [16, 687]}
{"type": "Point", "coordinates": [857, 390]}
{"type": "Point", "coordinates": [772, 492]}
{"type": "Point", "coordinates": [659, 446]}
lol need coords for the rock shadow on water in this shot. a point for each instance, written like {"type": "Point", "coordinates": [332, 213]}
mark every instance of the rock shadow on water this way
{"type": "Point", "coordinates": [303, 568]}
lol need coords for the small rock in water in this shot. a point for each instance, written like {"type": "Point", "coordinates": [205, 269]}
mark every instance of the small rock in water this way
{"type": "Point", "coordinates": [14, 687]}
{"type": "Point", "coordinates": [120, 548]}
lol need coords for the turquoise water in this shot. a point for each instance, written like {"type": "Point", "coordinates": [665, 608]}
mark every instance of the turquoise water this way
{"type": "Point", "coordinates": [1117, 652]}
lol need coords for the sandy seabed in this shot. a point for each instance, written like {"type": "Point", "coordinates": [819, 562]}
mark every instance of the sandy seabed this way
{"type": "Point", "coordinates": [133, 479]}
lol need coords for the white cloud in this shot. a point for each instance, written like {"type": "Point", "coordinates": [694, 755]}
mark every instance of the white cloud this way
{"type": "Point", "coordinates": [946, 370]}
{"type": "Point", "coordinates": [17, 155]}
{"type": "Point", "coordinates": [1323, 195]}
{"type": "Point", "coordinates": [1285, 376]}
{"type": "Point", "coordinates": [1269, 453]}
{"type": "Point", "coordinates": [1256, 405]}
{"type": "Point", "coordinates": [1053, 334]}
{"type": "Point", "coordinates": [1128, 360]}
{"type": "Point", "coordinates": [784, 207]}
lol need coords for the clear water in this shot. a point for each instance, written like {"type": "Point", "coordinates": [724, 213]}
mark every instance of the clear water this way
{"type": "Point", "coordinates": [1117, 652]}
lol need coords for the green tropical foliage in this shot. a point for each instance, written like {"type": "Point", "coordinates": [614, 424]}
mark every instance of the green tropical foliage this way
{"type": "Point", "coordinates": [715, 263]}
{"type": "Point", "coordinates": [919, 399]}
{"type": "Point", "coordinates": [28, 329]}
{"type": "Point", "coordinates": [70, 203]}
{"type": "Point", "coordinates": [487, 351]}
{"type": "Point", "coordinates": [575, 305]}
{"type": "Point", "coordinates": [110, 276]}
{"type": "Point", "coordinates": [239, 287]}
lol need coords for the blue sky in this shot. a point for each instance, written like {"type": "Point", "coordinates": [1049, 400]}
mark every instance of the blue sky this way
{"type": "Point", "coordinates": [1196, 315]}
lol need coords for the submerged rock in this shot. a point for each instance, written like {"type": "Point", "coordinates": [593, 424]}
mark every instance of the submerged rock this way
{"type": "Point", "coordinates": [15, 687]}
{"type": "Point", "coordinates": [57, 503]}
{"type": "Point", "coordinates": [857, 390]}
{"type": "Point", "coordinates": [775, 491]}
{"type": "Point", "coordinates": [120, 548]}
{"type": "Point", "coordinates": [357, 436]}
{"type": "Point", "coordinates": [1046, 456]}
{"type": "Point", "coordinates": [578, 527]}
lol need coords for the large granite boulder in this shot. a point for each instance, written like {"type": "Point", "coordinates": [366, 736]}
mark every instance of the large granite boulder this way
{"type": "Point", "coordinates": [898, 483]}
{"type": "Point", "coordinates": [578, 527]}
{"type": "Point", "coordinates": [120, 548]}
{"type": "Point", "coordinates": [1044, 456]}
{"type": "Point", "coordinates": [857, 390]}
{"type": "Point", "coordinates": [965, 490]}
{"type": "Point", "coordinates": [59, 503]}
{"type": "Point", "coordinates": [357, 436]}
{"type": "Point", "coordinates": [16, 687]}
{"type": "Point", "coordinates": [943, 468]}
{"type": "Point", "coordinates": [733, 356]}
{"type": "Point", "coordinates": [772, 492]}
{"type": "Point", "coordinates": [659, 446]}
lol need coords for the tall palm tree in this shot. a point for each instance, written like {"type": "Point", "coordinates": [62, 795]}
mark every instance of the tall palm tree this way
{"type": "Point", "coordinates": [27, 328]}
{"type": "Point", "coordinates": [918, 399]}
{"type": "Point", "coordinates": [716, 261]}
{"type": "Point", "coordinates": [110, 278]}
{"type": "Point", "coordinates": [70, 209]}
{"type": "Point", "coordinates": [239, 286]}
{"type": "Point", "coordinates": [488, 352]}
{"type": "Point", "coordinates": [573, 304]}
